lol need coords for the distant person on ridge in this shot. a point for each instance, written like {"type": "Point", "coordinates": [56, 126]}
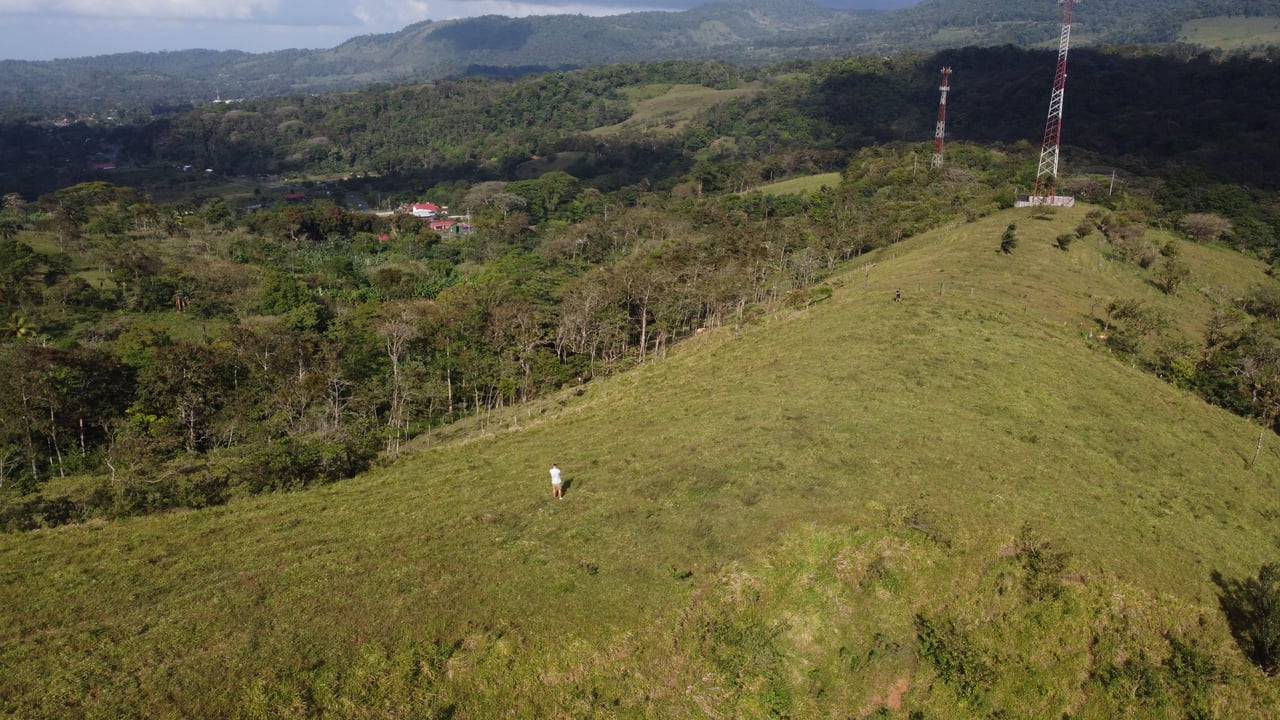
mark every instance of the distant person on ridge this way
{"type": "Point", "coordinates": [556, 491]}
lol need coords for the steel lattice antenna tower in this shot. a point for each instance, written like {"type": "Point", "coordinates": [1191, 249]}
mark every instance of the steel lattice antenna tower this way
{"type": "Point", "coordinates": [1047, 171]}
{"type": "Point", "coordinates": [941, 132]}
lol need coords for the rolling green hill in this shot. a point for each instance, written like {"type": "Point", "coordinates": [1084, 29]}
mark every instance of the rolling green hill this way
{"type": "Point", "coordinates": [669, 109]}
{"type": "Point", "coordinates": [649, 123]}
{"type": "Point", "coordinates": [805, 184]}
{"type": "Point", "coordinates": [753, 32]}
{"type": "Point", "coordinates": [1232, 33]}
{"type": "Point", "coordinates": [956, 505]}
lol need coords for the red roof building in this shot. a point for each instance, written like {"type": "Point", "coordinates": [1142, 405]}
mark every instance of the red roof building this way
{"type": "Point", "coordinates": [450, 226]}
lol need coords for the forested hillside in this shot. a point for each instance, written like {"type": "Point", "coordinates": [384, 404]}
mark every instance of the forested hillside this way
{"type": "Point", "coordinates": [183, 355]}
{"type": "Point", "coordinates": [1123, 113]}
{"type": "Point", "coordinates": [965, 503]}
{"type": "Point", "coordinates": [844, 432]}
{"type": "Point", "coordinates": [590, 244]}
{"type": "Point", "coordinates": [118, 88]}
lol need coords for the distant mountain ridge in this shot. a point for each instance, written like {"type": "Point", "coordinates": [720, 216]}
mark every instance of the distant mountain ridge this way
{"type": "Point", "coordinates": [738, 31]}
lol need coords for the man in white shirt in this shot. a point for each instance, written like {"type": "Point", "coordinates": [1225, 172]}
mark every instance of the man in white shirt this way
{"type": "Point", "coordinates": [556, 492]}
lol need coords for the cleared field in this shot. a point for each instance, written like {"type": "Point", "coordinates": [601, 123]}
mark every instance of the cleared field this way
{"type": "Point", "coordinates": [1232, 33]}
{"type": "Point", "coordinates": [796, 186]}
{"type": "Point", "coordinates": [664, 109]}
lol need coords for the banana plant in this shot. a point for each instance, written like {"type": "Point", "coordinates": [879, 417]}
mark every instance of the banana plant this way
{"type": "Point", "coordinates": [18, 327]}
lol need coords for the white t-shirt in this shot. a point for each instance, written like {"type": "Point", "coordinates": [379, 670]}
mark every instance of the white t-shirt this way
{"type": "Point", "coordinates": [555, 476]}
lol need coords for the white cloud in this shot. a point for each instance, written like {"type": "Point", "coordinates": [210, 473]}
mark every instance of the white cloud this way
{"type": "Point", "coordinates": [47, 29]}
{"type": "Point", "coordinates": [379, 15]}
{"type": "Point", "coordinates": [514, 8]}
{"type": "Point", "coordinates": [190, 9]}
{"type": "Point", "coordinates": [383, 13]}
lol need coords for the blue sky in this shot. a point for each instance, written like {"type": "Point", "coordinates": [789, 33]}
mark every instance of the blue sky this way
{"type": "Point", "coordinates": [49, 29]}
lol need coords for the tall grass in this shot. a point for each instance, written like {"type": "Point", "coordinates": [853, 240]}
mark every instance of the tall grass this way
{"type": "Point", "coordinates": [816, 514]}
{"type": "Point", "coordinates": [806, 184]}
{"type": "Point", "coordinates": [667, 109]}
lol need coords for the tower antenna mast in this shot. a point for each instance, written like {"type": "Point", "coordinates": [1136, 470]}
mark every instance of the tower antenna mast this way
{"type": "Point", "coordinates": [941, 131]}
{"type": "Point", "coordinates": [1047, 171]}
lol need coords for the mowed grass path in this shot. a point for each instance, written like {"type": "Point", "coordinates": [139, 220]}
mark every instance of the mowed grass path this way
{"type": "Point", "coordinates": [978, 403]}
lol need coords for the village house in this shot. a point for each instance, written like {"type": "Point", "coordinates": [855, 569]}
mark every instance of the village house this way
{"type": "Point", "coordinates": [425, 210]}
{"type": "Point", "coordinates": [450, 227]}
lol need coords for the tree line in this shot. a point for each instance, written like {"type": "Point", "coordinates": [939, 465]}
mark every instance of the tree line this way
{"type": "Point", "coordinates": [250, 349]}
{"type": "Point", "coordinates": [180, 355]}
{"type": "Point", "coordinates": [1145, 111]}
{"type": "Point", "coordinates": [138, 85]}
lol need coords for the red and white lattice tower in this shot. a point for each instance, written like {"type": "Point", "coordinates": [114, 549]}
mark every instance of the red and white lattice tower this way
{"type": "Point", "coordinates": [1047, 171]}
{"type": "Point", "coordinates": [941, 131]}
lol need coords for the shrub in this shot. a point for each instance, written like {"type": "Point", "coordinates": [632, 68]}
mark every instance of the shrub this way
{"type": "Point", "coordinates": [37, 511]}
{"type": "Point", "coordinates": [1064, 241]}
{"type": "Point", "coordinates": [1170, 274]}
{"type": "Point", "coordinates": [804, 297]}
{"type": "Point", "coordinates": [1263, 301]}
{"type": "Point", "coordinates": [1043, 564]}
{"type": "Point", "coordinates": [742, 645]}
{"type": "Point", "coordinates": [1252, 608]}
{"type": "Point", "coordinates": [1009, 240]}
{"type": "Point", "coordinates": [1130, 322]}
{"type": "Point", "coordinates": [1205, 227]}
{"type": "Point", "coordinates": [955, 656]}
{"type": "Point", "coordinates": [1131, 245]}
{"type": "Point", "coordinates": [1184, 681]}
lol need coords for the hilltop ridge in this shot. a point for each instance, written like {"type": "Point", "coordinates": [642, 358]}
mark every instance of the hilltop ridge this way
{"type": "Point", "coordinates": [830, 508]}
{"type": "Point", "coordinates": [753, 32]}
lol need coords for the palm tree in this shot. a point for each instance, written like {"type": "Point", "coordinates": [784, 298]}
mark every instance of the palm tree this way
{"type": "Point", "coordinates": [18, 327]}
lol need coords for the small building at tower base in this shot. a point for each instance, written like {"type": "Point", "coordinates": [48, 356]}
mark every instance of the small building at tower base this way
{"type": "Point", "coordinates": [1052, 200]}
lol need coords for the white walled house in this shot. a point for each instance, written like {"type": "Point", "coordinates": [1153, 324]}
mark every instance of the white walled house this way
{"type": "Point", "coordinates": [425, 210]}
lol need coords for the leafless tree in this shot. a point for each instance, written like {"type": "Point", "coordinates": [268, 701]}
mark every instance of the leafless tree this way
{"type": "Point", "coordinates": [396, 335]}
{"type": "Point", "coordinates": [1206, 227]}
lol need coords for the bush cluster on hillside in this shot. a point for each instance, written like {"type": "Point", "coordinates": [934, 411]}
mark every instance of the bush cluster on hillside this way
{"type": "Point", "coordinates": [184, 354]}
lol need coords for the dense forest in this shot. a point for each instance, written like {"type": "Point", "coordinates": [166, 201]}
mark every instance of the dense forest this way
{"type": "Point", "coordinates": [186, 350]}
{"type": "Point", "coordinates": [1123, 110]}
{"type": "Point", "coordinates": [182, 355]}
{"type": "Point", "coordinates": [120, 88]}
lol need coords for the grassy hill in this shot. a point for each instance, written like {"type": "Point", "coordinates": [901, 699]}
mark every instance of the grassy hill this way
{"type": "Point", "coordinates": [958, 505]}
{"type": "Point", "coordinates": [1231, 33]}
{"type": "Point", "coordinates": [756, 32]}
{"type": "Point", "coordinates": [666, 110]}
{"type": "Point", "coordinates": [803, 184]}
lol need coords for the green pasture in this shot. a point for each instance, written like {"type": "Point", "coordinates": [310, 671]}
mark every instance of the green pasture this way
{"type": "Point", "coordinates": [671, 109]}
{"type": "Point", "coordinates": [801, 185]}
{"type": "Point", "coordinates": [822, 513]}
{"type": "Point", "coordinates": [1231, 33]}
